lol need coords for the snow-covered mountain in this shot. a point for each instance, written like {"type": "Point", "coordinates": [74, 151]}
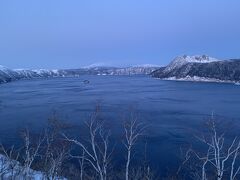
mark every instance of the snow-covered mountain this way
{"type": "Point", "coordinates": [7, 75]}
{"type": "Point", "coordinates": [200, 68]}
{"type": "Point", "coordinates": [182, 60]}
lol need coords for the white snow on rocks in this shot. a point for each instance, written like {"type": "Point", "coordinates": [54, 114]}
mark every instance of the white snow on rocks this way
{"type": "Point", "coordinates": [11, 169]}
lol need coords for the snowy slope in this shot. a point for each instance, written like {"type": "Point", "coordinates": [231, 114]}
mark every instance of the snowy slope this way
{"type": "Point", "coordinates": [11, 169]}
{"type": "Point", "coordinates": [182, 60]}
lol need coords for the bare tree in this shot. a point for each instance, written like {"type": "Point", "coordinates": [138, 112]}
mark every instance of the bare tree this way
{"type": "Point", "coordinates": [97, 153]}
{"type": "Point", "coordinates": [133, 130]}
{"type": "Point", "coordinates": [220, 157]}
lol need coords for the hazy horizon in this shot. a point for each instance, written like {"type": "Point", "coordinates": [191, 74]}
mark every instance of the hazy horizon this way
{"type": "Point", "coordinates": [63, 34]}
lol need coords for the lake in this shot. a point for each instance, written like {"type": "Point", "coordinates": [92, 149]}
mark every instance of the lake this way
{"type": "Point", "coordinates": [173, 111]}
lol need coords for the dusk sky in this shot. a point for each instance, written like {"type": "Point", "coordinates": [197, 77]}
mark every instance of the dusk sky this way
{"type": "Point", "coordinates": [75, 33]}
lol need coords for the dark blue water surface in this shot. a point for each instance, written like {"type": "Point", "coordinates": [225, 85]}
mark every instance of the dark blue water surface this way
{"type": "Point", "coordinates": [173, 110]}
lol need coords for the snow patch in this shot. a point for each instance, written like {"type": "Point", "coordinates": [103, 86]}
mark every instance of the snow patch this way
{"type": "Point", "coordinates": [12, 169]}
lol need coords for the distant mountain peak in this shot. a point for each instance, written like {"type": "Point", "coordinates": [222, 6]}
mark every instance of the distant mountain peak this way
{"type": "Point", "coordinates": [146, 65]}
{"type": "Point", "coordinates": [95, 65]}
{"type": "Point", "coordinates": [182, 60]}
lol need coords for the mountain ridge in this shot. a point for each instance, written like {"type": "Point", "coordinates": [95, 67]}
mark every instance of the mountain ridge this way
{"type": "Point", "coordinates": [8, 75]}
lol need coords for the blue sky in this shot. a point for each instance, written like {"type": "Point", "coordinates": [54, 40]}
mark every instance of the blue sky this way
{"type": "Point", "coordinates": [74, 33]}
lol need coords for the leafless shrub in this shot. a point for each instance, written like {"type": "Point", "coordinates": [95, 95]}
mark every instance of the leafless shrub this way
{"type": "Point", "coordinates": [142, 173]}
{"type": "Point", "coordinates": [9, 163]}
{"type": "Point", "coordinates": [55, 150]}
{"type": "Point", "coordinates": [31, 150]}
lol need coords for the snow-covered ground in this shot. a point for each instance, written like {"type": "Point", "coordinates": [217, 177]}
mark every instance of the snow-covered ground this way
{"type": "Point", "coordinates": [12, 169]}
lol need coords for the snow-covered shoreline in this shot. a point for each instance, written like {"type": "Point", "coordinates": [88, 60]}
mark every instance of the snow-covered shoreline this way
{"type": "Point", "coordinates": [199, 79]}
